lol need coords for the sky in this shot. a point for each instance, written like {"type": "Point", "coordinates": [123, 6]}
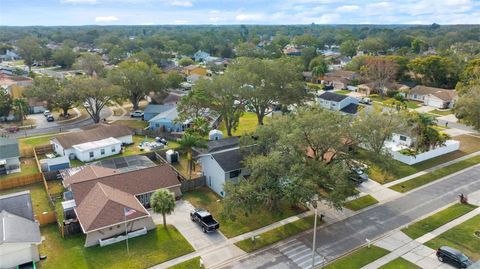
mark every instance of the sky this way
{"type": "Point", "coordinates": [157, 12]}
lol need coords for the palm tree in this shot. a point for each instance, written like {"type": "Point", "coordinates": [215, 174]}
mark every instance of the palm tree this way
{"type": "Point", "coordinates": [187, 143]}
{"type": "Point", "coordinates": [163, 202]}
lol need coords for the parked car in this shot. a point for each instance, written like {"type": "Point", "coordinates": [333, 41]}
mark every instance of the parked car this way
{"type": "Point", "coordinates": [204, 219]}
{"type": "Point", "coordinates": [46, 113]}
{"type": "Point", "coordinates": [358, 175]}
{"type": "Point", "coordinates": [366, 101]}
{"type": "Point", "coordinates": [12, 129]}
{"type": "Point", "coordinates": [50, 118]}
{"type": "Point", "coordinates": [136, 114]}
{"type": "Point", "coordinates": [453, 257]}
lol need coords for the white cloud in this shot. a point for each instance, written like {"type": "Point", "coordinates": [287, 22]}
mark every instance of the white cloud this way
{"type": "Point", "coordinates": [249, 17]}
{"type": "Point", "coordinates": [350, 8]}
{"type": "Point", "coordinates": [181, 3]}
{"type": "Point", "coordinates": [106, 19]}
{"type": "Point", "coordinates": [180, 22]}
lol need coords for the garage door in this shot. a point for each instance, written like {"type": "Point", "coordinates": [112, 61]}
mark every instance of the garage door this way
{"type": "Point", "coordinates": [435, 103]}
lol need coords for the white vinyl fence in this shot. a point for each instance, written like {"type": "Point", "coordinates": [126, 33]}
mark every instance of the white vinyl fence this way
{"type": "Point", "coordinates": [450, 145]}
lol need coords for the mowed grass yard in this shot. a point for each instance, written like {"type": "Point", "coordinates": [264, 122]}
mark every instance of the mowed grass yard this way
{"type": "Point", "coordinates": [28, 167]}
{"type": "Point", "coordinates": [461, 237]}
{"type": "Point", "coordinates": [189, 264]}
{"type": "Point", "coordinates": [39, 196]}
{"type": "Point", "coordinates": [358, 258]}
{"type": "Point", "coordinates": [396, 169]}
{"type": "Point", "coordinates": [436, 220]}
{"type": "Point", "coordinates": [207, 199]}
{"type": "Point", "coordinates": [248, 124]}
{"type": "Point", "coordinates": [400, 263]}
{"type": "Point", "coordinates": [277, 234]}
{"type": "Point", "coordinates": [155, 247]}
{"type": "Point", "coordinates": [361, 202]}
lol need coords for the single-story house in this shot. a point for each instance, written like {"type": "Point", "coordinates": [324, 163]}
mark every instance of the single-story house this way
{"type": "Point", "coordinates": [339, 102]}
{"type": "Point", "coordinates": [194, 69]}
{"type": "Point", "coordinates": [165, 121]}
{"type": "Point", "coordinates": [222, 166]}
{"type": "Point", "coordinates": [434, 97]}
{"type": "Point", "coordinates": [340, 79]}
{"type": "Point", "coordinates": [201, 56]}
{"type": "Point", "coordinates": [9, 56]}
{"type": "Point", "coordinates": [102, 196]}
{"type": "Point", "coordinates": [369, 88]}
{"type": "Point", "coordinates": [36, 106]}
{"type": "Point", "coordinates": [19, 232]}
{"type": "Point", "coordinates": [153, 110]}
{"type": "Point", "coordinates": [292, 50]}
{"type": "Point", "coordinates": [94, 142]}
{"type": "Point", "coordinates": [9, 156]}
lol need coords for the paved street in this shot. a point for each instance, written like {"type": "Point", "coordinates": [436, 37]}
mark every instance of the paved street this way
{"type": "Point", "coordinates": [341, 237]}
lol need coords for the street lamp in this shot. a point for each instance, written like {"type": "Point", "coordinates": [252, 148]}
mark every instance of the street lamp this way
{"type": "Point", "coordinates": [314, 206]}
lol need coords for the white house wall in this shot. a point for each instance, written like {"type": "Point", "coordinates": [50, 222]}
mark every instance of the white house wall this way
{"type": "Point", "coordinates": [84, 156]}
{"type": "Point", "coordinates": [214, 174]}
{"type": "Point", "coordinates": [13, 254]}
{"type": "Point", "coordinates": [125, 139]}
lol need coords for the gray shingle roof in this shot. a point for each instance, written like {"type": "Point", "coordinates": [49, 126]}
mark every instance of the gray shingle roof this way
{"type": "Point", "coordinates": [8, 148]}
{"type": "Point", "coordinates": [157, 109]}
{"type": "Point", "coordinates": [350, 109]}
{"type": "Point", "coordinates": [229, 160]}
{"type": "Point", "coordinates": [15, 229]}
{"type": "Point", "coordinates": [218, 145]}
{"type": "Point", "coordinates": [331, 96]}
{"type": "Point", "coordinates": [18, 203]}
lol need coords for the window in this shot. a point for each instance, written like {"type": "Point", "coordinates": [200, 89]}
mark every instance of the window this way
{"type": "Point", "coordinates": [235, 173]}
{"type": "Point", "coordinates": [91, 154]}
{"type": "Point", "coordinates": [114, 149]}
{"type": "Point", "coordinates": [102, 151]}
{"type": "Point", "coordinates": [403, 138]}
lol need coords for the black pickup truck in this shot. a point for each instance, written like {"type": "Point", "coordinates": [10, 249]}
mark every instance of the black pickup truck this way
{"type": "Point", "coordinates": [204, 219]}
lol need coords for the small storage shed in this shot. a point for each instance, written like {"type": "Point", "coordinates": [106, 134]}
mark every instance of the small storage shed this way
{"type": "Point", "coordinates": [215, 135]}
{"type": "Point", "coordinates": [55, 164]}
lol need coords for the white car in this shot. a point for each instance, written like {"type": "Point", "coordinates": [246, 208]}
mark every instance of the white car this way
{"type": "Point", "coordinates": [46, 113]}
{"type": "Point", "coordinates": [136, 114]}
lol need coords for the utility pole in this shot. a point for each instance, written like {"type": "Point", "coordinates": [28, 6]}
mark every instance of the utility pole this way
{"type": "Point", "coordinates": [314, 207]}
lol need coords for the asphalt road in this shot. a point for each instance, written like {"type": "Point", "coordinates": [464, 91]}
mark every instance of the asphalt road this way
{"type": "Point", "coordinates": [344, 236]}
{"type": "Point", "coordinates": [105, 113]}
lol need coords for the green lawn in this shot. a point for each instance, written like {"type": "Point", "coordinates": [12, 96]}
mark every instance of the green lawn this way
{"type": "Point", "coordinates": [28, 166]}
{"type": "Point", "coordinates": [155, 247]}
{"type": "Point", "coordinates": [441, 112]}
{"type": "Point", "coordinates": [277, 234]}
{"type": "Point", "coordinates": [39, 196]}
{"type": "Point", "coordinates": [461, 237]}
{"type": "Point", "coordinates": [248, 124]}
{"type": "Point", "coordinates": [33, 141]}
{"type": "Point", "coordinates": [190, 264]}
{"type": "Point", "coordinates": [134, 124]}
{"type": "Point", "coordinates": [436, 220]}
{"type": "Point", "coordinates": [396, 169]}
{"type": "Point", "coordinates": [400, 263]}
{"type": "Point", "coordinates": [432, 176]}
{"type": "Point", "coordinates": [361, 202]}
{"type": "Point", "coordinates": [344, 92]}
{"type": "Point", "coordinates": [207, 199]}
{"type": "Point", "coordinates": [359, 258]}
{"type": "Point", "coordinates": [388, 101]}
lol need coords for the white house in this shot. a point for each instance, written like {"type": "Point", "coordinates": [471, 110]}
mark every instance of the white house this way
{"type": "Point", "coordinates": [20, 233]}
{"type": "Point", "coordinates": [9, 156]}
{"type": "Point", "coordinates": [94, 142]}
{"type": "Point", "coordinates": [434, 97]}
{"type": "Point", "coordinates": [339, 102]}
{"type": "Point", "coordinates": [222, 166]}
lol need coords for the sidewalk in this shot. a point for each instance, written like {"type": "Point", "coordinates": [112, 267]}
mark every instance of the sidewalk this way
{"type": "Point", "coordinates": [414, 251]}
{"type": "Point", "coordinates": [431, 169]}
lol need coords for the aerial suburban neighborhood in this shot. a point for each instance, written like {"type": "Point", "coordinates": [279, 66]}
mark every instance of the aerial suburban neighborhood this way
{"type": "Point", "coordinates": [239, 134]}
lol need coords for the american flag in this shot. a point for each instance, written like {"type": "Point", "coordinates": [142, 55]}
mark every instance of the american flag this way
{"type": "Point", "coordinates": [128, 211]}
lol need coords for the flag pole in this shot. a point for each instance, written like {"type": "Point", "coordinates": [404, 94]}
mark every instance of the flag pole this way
{"type": "Point", "coordinates": [126, 234]}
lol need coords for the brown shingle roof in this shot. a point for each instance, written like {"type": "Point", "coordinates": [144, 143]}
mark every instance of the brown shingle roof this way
{"type": "Point", "coordinates": [89, 172]}
{"type": "Point", "coordinates": [93, 133]}
{"type": "Point", "coordinates": [446, 95]}
{"type": "Point", "coordinates": [134, 182]}
{"type": "Point", "coordinates": [104, 206]}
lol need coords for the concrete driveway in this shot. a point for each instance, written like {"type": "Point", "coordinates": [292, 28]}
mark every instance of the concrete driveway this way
{"type": "Point", "coordinates": [189, 229]}
{"type": "Point", "coordinates": [41, 121]}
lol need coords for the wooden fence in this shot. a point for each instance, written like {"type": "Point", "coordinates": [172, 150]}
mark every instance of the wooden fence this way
{"type": "Point", "coordinates": [47, 218]}
{"type": "Point", "coordinates": [192, 184]}
{"type": "Point", "coordinates": [26, 152]}
{"type": "Point", "coordinates": [20, 181]}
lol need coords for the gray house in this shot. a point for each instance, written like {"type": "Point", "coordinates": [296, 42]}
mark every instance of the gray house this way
{"type": "Point", "coordinates": [222, 166]}
{"type": "Point", "coordinates": [9, 156]}
{"type": "Point", "coordinates": [19, 232]}
{"type": "Point", "coordinates": [153, 110]}
{"type": "Point", "coordinates": [338, 102]}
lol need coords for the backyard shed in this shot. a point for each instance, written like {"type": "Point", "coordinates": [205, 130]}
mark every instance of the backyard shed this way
{"type": "Point", "coordinates": [55, 164]}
